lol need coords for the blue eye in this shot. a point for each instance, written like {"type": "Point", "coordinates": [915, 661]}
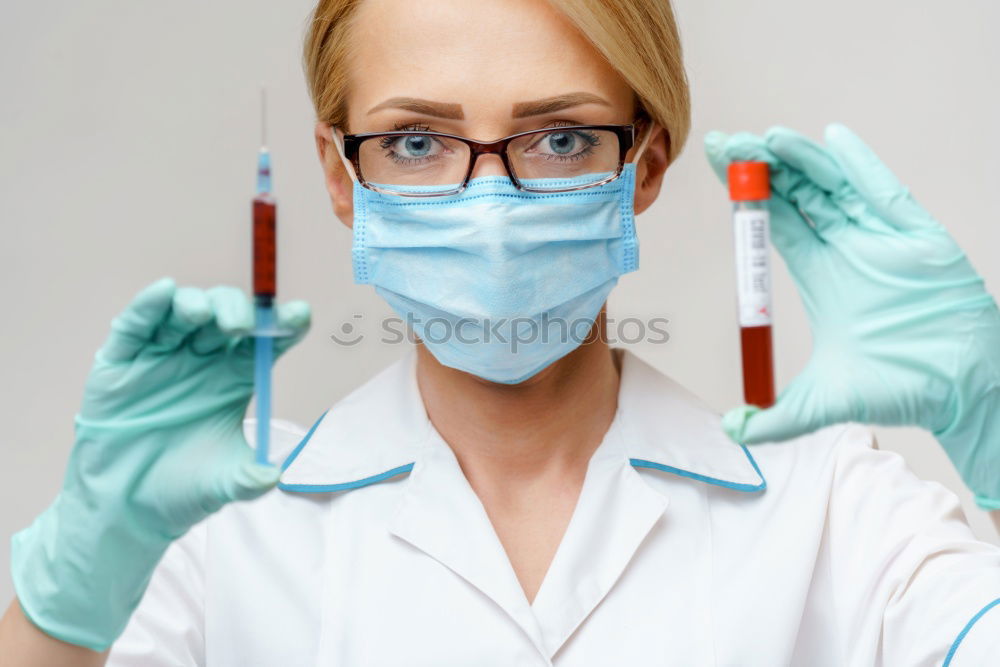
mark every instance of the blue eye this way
{"type": "Point", "coordinates": [412, 148]}
{"type": "Point", "coordinates": [566, 146]}
{"type": "Point", "coordinates": [417, 146]}
{"type": "Point", "coordinates": [561, 143]}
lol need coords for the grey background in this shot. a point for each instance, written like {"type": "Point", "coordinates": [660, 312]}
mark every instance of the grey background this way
{"type": "Point", "coordinates": [129, 133]}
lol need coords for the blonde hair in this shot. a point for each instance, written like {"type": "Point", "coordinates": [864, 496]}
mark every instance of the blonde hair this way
{"type": "Point", "coordinates": [637, 37]}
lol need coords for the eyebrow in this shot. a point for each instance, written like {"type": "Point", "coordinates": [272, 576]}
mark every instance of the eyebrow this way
{"type": "Point", "coordinates": [519, 109]}
{"type": "Point", "coordinates": [425, 107]}
{"type": "Point", "coordinates": [556, 103]}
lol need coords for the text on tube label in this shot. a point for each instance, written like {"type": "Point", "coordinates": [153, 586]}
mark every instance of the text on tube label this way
{"type": "Point", "coordinates": [753, 267]}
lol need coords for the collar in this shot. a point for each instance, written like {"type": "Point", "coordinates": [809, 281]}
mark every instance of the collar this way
{"type": "Point", "coordinates": [668, 428]}
{"type": "Point", "coordinates": [377, 432]}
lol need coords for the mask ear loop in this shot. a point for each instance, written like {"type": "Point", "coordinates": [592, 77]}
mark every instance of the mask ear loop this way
{"type": "Point", "coordinates": [645, 142]}
{"type": "Point", "coordinates": [336, 136]}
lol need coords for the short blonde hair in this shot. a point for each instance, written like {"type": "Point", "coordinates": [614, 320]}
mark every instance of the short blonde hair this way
{"type": "Point", "coordinates": [637, 37]}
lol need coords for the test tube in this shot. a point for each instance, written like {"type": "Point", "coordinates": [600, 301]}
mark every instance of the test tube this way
{"type": "Point", "coordinates": [749, 190]}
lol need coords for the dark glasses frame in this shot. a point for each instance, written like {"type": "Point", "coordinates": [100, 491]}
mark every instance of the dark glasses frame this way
{"type": "Point", "coordinates": [626, 134]}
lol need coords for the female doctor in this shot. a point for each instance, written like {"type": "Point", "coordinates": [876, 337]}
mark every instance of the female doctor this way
{"type": "Point", "coordinates": [564, 503]}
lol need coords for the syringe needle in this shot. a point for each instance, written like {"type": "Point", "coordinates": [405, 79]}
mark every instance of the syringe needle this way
{"type": "Point", "coordinates": [263, 115]}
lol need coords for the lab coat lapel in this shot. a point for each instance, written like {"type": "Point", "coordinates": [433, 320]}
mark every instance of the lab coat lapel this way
{"type": "Point", "coordinates": [615, 511]}
{"type": "Point", "coordinates": [662, 427]}
{"type": "Point", "coordinates": [441, 515]}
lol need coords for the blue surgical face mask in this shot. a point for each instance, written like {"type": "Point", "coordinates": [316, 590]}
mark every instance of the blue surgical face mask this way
{"type": "Point", "coordinates": [498, 282]}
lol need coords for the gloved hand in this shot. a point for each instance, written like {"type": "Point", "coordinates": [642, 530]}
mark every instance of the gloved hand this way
{"type": "Point", "coordinates": [159, 446]}
{"type": "Point", "coordinates": [904, 332]}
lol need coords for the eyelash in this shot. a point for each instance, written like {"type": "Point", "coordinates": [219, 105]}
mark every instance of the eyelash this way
{"type": "Point", "coordinates": [398, 127]}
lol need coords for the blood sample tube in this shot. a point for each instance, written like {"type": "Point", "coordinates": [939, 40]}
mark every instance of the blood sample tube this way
{"type": "Point", "coordinates": [749, 190]}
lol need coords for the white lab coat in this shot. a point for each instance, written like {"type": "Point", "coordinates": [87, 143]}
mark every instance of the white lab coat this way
{"type": "Point", "coordinates": [377, 552]}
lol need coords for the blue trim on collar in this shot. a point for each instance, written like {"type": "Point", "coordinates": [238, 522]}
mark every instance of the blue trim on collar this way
{"type": "Point", "coordinates": [642, 463]}
{"type": "Point", "coordinates": [399, 470]}
{"type": "Point", "coordinates": [346, 486]}
{"type": "Point", "coordinates": [343, 486]}
{"type": "Point", "coordinates": [965, 631]}
{"type": "Point", "coordinates": [302, 444]}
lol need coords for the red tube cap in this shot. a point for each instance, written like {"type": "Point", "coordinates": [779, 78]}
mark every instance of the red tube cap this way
{"type": "Point", "coordinates": [748, 181]}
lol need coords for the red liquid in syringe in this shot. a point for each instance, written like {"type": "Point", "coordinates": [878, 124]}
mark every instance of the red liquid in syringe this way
{"type": "Point", "coordinates": [264, 245]}
{"type": "Point", "coordinates": [749, 190]}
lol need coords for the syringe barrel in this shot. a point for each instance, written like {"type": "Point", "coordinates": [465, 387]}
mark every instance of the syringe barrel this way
{"type": "Point", "coordinates": [749, 188]}
{"type": "Point", "coordinates": [265, 267]}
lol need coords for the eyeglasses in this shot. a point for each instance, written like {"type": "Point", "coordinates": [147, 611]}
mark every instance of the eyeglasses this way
{"type": "Point", "coordinates": [418, 163]}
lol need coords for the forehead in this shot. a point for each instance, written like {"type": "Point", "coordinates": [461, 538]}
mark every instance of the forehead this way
{"type": "Point", "coordinates": [483, 54]}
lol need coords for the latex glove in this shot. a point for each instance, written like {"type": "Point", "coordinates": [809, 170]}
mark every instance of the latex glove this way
{"type": "Point", "coordinates": [904, 332]}
{"type": "Point", "coordinates": [159, 446]}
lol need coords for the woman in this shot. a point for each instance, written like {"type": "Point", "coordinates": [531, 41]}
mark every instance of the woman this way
{"type": "Point", "coordinates": [561, 503]}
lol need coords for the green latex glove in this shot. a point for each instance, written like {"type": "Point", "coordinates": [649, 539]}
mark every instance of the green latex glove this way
{"type": "Point", "coordinates": [904, 332]}
{"type": "Point", "coordinates": [159, 446]}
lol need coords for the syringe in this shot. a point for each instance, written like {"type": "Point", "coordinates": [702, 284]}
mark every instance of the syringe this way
{"type": "Point", "coordinates": [264, 288]}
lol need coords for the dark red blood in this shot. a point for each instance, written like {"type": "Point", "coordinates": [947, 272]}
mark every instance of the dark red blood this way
{"type": "Point", "coordinates": [264, 247]}
{"type": "Point", "coordinates": [758, 366]}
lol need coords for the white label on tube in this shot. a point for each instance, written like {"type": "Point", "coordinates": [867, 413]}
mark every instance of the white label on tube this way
{"type": "Point", "coordinates": [753, 266]}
